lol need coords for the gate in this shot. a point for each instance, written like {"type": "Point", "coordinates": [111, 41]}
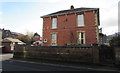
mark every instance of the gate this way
{"type": "Point", "coordinates": [106, 55]}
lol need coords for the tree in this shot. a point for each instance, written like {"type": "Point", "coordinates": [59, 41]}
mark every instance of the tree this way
{"type": "Point", "coordinates": [26, 38]}
{"type": "Point", "coordinates": [115, 41]}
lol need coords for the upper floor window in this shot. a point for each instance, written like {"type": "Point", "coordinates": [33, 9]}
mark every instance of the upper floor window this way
{"type": "Point", "coordinates": [54, 23]}
{"type": "Point", "coordinates": [80, 20]}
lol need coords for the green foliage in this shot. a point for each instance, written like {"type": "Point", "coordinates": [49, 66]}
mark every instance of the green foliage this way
{"type": "Point", "coordinates": [115, 41]}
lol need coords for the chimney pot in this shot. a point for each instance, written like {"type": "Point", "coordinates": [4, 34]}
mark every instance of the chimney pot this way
{"type": "Point", "coordinates": [72, 7]}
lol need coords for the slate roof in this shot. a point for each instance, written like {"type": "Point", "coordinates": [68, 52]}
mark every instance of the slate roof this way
{"type": "Point", "coordinates": [70, 11]}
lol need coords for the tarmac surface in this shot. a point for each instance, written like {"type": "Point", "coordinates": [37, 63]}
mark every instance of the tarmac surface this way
{"type": "Point", "coordinates": [9, 64]}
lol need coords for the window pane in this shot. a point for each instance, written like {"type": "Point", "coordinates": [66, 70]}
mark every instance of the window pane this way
{"type": "Point", "coordinates": [82, 36]}
{"type": "Point", "coordinates": [80, 20]}
{"type": "Point", "coordinates": [54, 39]}
{"type": "Point", "coordinates": [82, 41]}
{"type": "Point", "coordinates": [54, 23]}
{"type": "Point", "coordinates": [53, 36]}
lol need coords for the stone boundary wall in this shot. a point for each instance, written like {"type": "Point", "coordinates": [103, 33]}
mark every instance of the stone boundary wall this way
{"type": "Point", "coordinates": [61, 53]}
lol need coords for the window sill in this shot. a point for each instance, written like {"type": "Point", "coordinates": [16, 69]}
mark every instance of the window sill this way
{"type": "Point", "coordinates": [53, 28]}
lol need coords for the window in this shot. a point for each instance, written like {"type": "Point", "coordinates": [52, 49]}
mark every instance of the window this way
{"type": "Point", "coordinates": [54, 23]}
{"type": "Point", "coordinates": [54, 39]}
{"type": "Point", "coordinates": [80, 20]}
{"type": "Point", "coordinates": [81, 37]}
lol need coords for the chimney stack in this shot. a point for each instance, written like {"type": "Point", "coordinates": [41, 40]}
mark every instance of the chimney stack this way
{"type": "Point", "coordinates": [72, 7]}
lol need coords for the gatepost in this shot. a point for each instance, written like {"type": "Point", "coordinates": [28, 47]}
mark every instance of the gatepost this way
{"type": "Point", "coordinates": [117, 55]}
{"type": "Point", "coordinates": [95, 52]}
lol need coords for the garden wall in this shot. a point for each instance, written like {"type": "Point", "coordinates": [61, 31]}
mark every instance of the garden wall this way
{"type": "Point", "coordinates": [59, 53]}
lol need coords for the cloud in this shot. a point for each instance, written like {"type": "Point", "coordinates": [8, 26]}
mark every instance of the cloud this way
{"type": "Point", "coordinates": [110, 30]}
{"type": "Point", "coordinates": [109, 19]}
{"type": "Point", "coordinates": [3, 25]}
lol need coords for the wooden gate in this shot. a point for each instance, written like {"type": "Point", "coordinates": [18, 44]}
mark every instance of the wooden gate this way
{"type": "Point", "coordinates": [106, 55]}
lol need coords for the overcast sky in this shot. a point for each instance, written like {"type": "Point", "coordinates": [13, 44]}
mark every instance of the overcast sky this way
{"type": "Point", "coordinates": [24, 15]}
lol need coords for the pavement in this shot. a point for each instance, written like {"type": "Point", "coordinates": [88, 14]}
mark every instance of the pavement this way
{"type": "Point", "coordinates": [9, 62]}
{"type": "Point", "coordinates": [5, 56]}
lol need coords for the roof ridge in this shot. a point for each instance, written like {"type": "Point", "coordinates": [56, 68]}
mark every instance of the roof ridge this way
{"type": "Point", "coordinates": [69, 11]}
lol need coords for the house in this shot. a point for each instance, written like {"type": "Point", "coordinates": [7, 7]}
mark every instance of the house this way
{"type": "Point", "coordinates": [103, 39]}
{"type": "Point", "coordinates": [72, 26]}
{"type": "Point", "coordinates": [9, 43]}
{"type": "Point", "coordinates": [8, 33]}
{"type": "Point", "coordinates": [37, 39]}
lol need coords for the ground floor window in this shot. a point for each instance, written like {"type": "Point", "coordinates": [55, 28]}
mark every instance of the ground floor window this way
{"type": "Point", "coordinates": [81, 37]}
{"type": "Point", "coordinates": [54, 39]}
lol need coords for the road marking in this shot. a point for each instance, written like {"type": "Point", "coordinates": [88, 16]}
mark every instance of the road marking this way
{"type": "Point", "coordinates": [66, 66]}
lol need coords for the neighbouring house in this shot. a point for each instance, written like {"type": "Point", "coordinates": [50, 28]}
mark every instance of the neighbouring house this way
{"type": "Point", "coordinates": [105, 39]}
{"type": "Point", "coordinates": [37, 39]}
{"type": "Point", "coordinates": [72, 26]}
{"type": "Point", "coordinates": [8, 33]}
{"type": "Point", "coordinates": [102, 38]}
{"type": "Point", "coordinates": [9, 43]}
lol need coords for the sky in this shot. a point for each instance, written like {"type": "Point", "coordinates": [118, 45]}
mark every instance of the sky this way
{"type": "Point", "coordinates": [25, 15]}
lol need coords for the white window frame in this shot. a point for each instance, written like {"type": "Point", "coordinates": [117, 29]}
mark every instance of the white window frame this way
{"type": "Point", "coordinates": [80, 20]}
{"type": "Point", "coordinates": [54, 23]}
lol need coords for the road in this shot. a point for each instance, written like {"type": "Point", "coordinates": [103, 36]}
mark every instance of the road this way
{"type": "Point", "coordinates": [17, 65]}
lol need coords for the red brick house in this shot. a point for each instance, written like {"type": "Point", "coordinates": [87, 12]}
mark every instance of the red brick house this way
{"type": "Point", "coordinates": [73, 26]}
